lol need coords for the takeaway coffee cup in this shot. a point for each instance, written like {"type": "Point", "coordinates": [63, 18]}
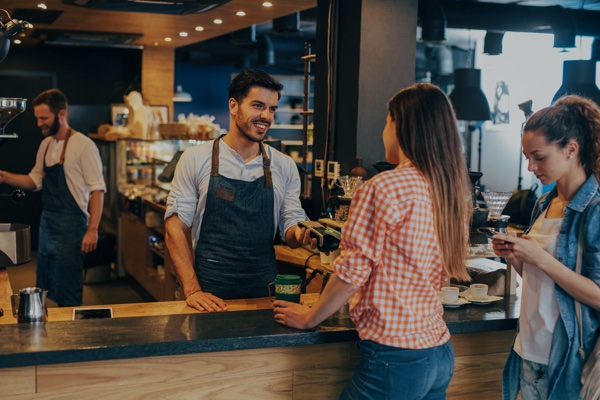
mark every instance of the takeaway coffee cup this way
{"type": "Point", "coordinates": [479, 291]}
{"type": "Point", "coordinates": [450, 294]}
{"type": "Point", "coordinates": [287, 287]}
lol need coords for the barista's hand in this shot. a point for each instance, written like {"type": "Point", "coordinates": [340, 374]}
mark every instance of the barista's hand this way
{"type": "Point", "coordinates": [203, 301]}
{"type": "Point", "coordinates": [90, 241]}
{"type": "Point", "coordinates": [291, 314]}
{"type": "Point", "coordinates": [302, 235]}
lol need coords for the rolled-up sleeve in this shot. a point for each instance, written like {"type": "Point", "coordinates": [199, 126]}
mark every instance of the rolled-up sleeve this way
{"type": "Point", "coordinates": [184, 193]}
{"type": "Point", "coordinates": [290, 210]}
{"type": "Point", "coordinates": [92, 169]}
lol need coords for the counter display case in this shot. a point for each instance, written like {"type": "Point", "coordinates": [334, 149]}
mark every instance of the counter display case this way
{"type": "Point", "coordinates": [142, 248]}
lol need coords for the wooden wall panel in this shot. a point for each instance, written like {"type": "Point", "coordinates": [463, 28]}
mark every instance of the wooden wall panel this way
{"type": "Point", "coordinates": [158, 77]}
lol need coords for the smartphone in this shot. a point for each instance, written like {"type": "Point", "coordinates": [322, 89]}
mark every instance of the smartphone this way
{"type": "Point", "coordinates": [488, 231]}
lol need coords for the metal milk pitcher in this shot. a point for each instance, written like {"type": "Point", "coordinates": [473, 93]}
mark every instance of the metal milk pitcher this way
{"type": "Point", "coordinates": [30, 305]}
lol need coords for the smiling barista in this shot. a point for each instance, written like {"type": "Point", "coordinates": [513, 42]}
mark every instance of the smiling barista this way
{"type": "Point", "coordinates": [234, 192]}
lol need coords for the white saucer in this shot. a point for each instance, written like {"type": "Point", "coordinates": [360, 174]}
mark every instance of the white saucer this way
{"type": "Point", "coordinates": [458, 303]}
{"type": "Point", "coordinates": [487, 300]}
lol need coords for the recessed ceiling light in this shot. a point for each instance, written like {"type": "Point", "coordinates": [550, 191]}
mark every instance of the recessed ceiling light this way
{"type": "Point", "coordinates": [199, 28]}
{"type": "Point", "coordinates": [17, 41]}
{"type": "Point", "coordinates": [168, 39]}
{"type": "Point", "coordinates": [42, 6]}
{"type": "Point", "coordinates": [240, 14]}
{"type": "Point", "coordinates": [267, 4]}
{"type": "Point", "coordinates": [155, 43]}
{"type": "Point", "coordinates": [218, 21]}
{"type": "Point", "coordinates": [183, 34]}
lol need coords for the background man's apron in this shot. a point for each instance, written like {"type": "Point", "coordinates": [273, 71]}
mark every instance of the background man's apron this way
{"type": "Point", "coordinates": [62, 226]}
{"type": "Point", "coordinates": [235, 257]}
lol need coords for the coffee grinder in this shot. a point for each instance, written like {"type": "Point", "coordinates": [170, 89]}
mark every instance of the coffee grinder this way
{"type": "Point", "coordinates": [496, 201]}
{"type": "Point", "coordinates": [15, 245]}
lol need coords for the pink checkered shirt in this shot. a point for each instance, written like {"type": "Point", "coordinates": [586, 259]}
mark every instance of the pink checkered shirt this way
{"type": "Point", "coordinates": [390, 249]}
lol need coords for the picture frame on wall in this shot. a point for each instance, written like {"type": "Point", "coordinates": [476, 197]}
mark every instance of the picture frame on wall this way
{"type": "Point", "coordinates": [118, 113]}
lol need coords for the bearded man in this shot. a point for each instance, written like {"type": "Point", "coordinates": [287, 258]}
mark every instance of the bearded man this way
{"type": "Point", "coordinates": [68, 171]}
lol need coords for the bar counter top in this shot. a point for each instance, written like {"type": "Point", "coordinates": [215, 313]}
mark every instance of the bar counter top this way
{"type": "Point", "coordinates": [172, 328]}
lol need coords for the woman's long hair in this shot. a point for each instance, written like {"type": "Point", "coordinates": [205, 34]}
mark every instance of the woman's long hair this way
{"type": "Point", "coordinates": [428, 135]}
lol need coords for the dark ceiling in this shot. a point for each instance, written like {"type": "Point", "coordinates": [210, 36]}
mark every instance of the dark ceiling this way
{"type": "Point", "coordinates": [271, 38]}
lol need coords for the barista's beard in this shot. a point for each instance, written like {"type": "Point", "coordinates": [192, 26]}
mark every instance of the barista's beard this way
{"type": "Point", "coordinates": [53, 130]}
{"type": "Point", "coordinates": [244, 132]}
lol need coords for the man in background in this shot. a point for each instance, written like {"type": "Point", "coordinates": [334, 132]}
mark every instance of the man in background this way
{"type": "Point", "coordinates": [68, 171]}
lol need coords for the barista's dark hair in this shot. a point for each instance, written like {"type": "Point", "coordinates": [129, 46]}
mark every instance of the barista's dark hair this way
{"type": "Point", "coordinates": [428, 135]}
{"type": "Point", "coordinates": [53, 98]}
{"type": "Point", "coordinates": [571, 117]}
{"type": "Point", "coordinates": [246, 80]}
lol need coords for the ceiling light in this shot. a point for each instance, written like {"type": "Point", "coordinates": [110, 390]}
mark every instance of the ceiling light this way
{"type": "Point", "coordinates": [168, 39]}
{"type": "Point", "coordinates": [470, 104]}
{"type": "Point", "coordinates": [183, 34]}
{"type": "Point", "coordinates": [579, 77]}
{"type": "Point", "coordinates": [492, 43]}
{"type": "Point", "coordinates": [267, 4]}
{"type": "Point", "coordinates": [433, 21]}
{"type": "Point", "coordinates": [218, 21]}
{"type": "Point", "coordinates": [199, 28]}
{"type": "Point", "coordinates": [17, 41]}
{"type": "Point", "coordinates": [181, 96]}
{"type": "Point", "coordinates": [155, 43]}
{"type": "Point", "coordinates": [240, 14]}
{"type": "Point", "coordinates": [42, 6]}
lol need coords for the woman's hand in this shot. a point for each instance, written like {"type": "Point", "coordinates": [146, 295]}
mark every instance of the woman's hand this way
{"type": "Point", "coordinates": [524, 249]}
{"type": "Point", "coordinates": [502, 248]}
{"type": "Point", "coordinates": [292, 314]}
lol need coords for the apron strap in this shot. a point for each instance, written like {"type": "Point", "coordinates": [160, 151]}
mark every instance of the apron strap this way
{"type": "Point", "coordinates": [62, 155]}
{"type": "Point", "coordinates": [214, 169]}
{"type": "Point", "coordinates": [266, 166]}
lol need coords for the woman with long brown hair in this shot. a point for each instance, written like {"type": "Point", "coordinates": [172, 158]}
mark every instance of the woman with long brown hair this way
{"type": "Point", "coordinates": [406, 235]}
{"type": "Point", "coordinates": [561, 144]}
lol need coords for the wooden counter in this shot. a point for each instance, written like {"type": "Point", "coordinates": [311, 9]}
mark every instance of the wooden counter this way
{"type": "Point", "coordinates": [167, 350]}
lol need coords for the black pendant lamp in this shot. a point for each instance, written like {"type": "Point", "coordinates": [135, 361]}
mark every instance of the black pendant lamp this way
{"type": "Point", "coordinates": [579, 77]}
{"type": "Point", "coordinates": [470, 104]}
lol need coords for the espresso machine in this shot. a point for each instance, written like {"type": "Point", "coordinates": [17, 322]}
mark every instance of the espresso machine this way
{"type": "Point", "coordinates": [15, 245]}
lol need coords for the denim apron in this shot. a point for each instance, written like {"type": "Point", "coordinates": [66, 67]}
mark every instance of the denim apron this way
{"type": "Point", "coordinates": [235, 257]}
{"type": "Point", "coordinates": [62, 227]}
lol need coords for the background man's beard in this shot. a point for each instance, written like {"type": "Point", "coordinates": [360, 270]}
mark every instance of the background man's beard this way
{"type": "Point", "coordinates": [55, 126]}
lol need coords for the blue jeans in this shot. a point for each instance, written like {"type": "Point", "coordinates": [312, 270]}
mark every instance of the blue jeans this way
{"type": "Point", "coordinates": [386, 372]}
{"type": "Point", "coordinates": [534, 381]}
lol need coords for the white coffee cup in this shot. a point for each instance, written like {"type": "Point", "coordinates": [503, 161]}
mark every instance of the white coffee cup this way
{"type": "Point", "coordinates": [450, 294]}
{"type": "Point", "coordinates": [479, 291]}
{"type": "Point", "coordinates": [333, 255]}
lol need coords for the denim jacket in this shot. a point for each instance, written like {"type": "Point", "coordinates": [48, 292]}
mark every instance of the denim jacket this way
{"type": "Point", "coordinates": [565, 363]}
